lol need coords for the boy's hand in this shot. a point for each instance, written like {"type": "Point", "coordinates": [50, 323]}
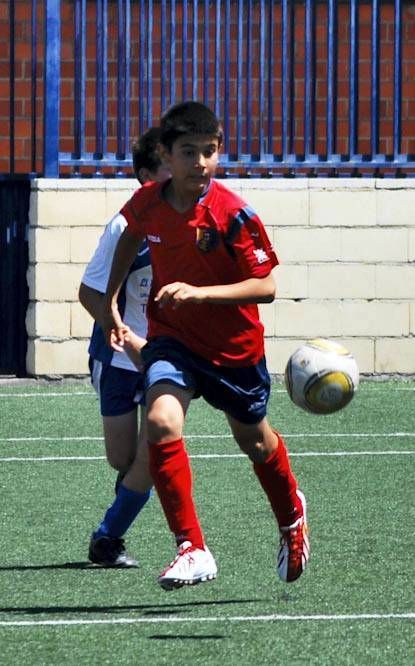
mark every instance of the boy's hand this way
{"type": "Point", "coordinates": [115, 331]}
{"type": "Point", "coordinates": [118, 336]}
{"type": "Point", "coordinates": [177, 293]}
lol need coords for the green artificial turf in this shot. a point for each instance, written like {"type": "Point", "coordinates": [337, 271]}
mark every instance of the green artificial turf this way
{"type": "Point", "coordinates": [354, 604]}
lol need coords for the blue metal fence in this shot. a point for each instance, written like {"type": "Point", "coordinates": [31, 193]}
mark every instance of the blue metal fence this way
{"type": "Point", "coordinates": [244, 58]}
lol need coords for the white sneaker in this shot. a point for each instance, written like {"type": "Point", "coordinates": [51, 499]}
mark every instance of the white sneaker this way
{"type": "Point", "coordinates": [294, 547]}
{"type": "Point", "coordinates": [190, 566]}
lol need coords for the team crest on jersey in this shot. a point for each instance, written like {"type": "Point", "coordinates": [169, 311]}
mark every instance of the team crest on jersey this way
{"type": "Point", "coordinates": [207, 238]}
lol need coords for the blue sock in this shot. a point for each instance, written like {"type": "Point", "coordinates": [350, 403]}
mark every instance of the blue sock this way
{"type": "Point", "coordinates": [122, 512]}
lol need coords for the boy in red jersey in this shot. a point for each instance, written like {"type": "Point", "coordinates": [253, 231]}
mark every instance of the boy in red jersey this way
{"type": "Point", "coordinates": [212, 263]}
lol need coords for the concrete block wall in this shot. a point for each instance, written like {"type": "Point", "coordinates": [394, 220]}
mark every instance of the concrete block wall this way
{"type": "Point", "coordinates": [347, 253]}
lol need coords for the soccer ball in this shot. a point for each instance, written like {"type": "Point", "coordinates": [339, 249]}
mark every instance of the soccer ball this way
{"type": "Point", "coordinates": [321, 376]}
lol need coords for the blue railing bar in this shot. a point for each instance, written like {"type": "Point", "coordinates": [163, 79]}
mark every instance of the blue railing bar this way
{"type": "Point", "coordinates": [248, 77]}
{"type": "Point", "coordinates": [217, 57]}
{"type": "Point", "coordinates": [123, 87]}
{"type": "Point", "coordinates": [52, 35]}
{"type": "Point", "coordinates": [99, 92]}
{"type": "Point", "coordinates": [163, 54]}
{"type": "Point", "coordinates": [309, 105]}
{"type": "Point", "coordinates": [120, 80]}
{"type": "Point", "coordinates": [184, 50]}
{"type": "Point", "coordinates": [172, 51]}
{"type": "Point", "coordinates": [353, 78]}
{"type": "Point", "coordinates": [261, 76]}
{"type": "Point", "coordinates": [269, 162]}
{"type": "Point", "coordinates": [291, 77]}
{"type": "Point", "coordinates": [127, 54]}
{"type": "Point", "coordinates": [80, 77]}
{"type": "Point", "coordinates": [270, 58]}
{"type": "Point", "coordinates": [206, 55]}
{"type": "Point", "coordinates": [239, 79]}
{"type": "Point", "coordinates": [331, 76]}
{"type": "Point", "coordinates": [34, 84]}
{"type": "Point", "coordinates": [98, 81]}
{"type": "Point", "coordinates": [102, 77]}
{"type": "Point", "coordinates": [227, 47]}
{"type": "Point", "coordinates": [284, 77]}
{"type": "Point", "coordinates": [397, 80]}
{"type": "Point", "coordinates": [374, 109]}
{"type": "Point", "coordinates": [150, 20]}
{"type": "Point", "coordinates": [141, 69]}
{"type": "Point", "coordinates": [194, 50]}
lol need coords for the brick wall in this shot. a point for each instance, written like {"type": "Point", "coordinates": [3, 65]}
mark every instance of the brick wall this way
{"type": "Point", "coordinates": [27, 114]}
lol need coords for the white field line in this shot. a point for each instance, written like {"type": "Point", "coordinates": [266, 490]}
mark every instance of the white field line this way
{"type": "Point", "coordinates": [217, 619]}
{"type": "Point", "coordinates": [218, 456]}
{"type": "Point", "coordinates": [321, 435]}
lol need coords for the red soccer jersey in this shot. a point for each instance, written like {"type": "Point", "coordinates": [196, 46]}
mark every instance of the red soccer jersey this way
{"type": "Point", "coordinates": [220, 240]}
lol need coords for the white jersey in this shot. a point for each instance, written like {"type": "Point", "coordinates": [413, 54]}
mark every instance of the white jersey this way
{"type": "Point", "coordinates": [133, 296]}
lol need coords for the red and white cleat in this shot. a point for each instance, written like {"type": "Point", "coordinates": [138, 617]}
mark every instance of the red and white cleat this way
{"type": "Point", "coordinates": [294, 549]}
{"type": "Point", "coordinates": [190, 567]}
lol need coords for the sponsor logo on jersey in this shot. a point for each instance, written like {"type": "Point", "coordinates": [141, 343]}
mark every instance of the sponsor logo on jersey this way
{"type": "Point", "coordinates": [261, 256]}
{"type": "Point", "coordinates": [206, 238]}
{"type": "Point", "coordinates": [153, 239]}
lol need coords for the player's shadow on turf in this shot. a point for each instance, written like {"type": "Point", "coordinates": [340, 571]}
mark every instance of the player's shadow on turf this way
{"type": "Point", "coordinates": [40, 567]}
{"type": "Point", "coordinates": [181, 637]}
{"type": "Point", "coordinates": [147, 609]}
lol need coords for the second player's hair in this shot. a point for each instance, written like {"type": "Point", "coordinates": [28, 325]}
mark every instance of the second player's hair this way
{"type": "Point", "coordinates": [145, 153]}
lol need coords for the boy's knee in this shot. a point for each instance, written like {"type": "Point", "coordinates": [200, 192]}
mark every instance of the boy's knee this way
{"type": "Point", "coordinates": [118, 461]}
{"type": "Point", "coordinates": [160, 427]}
{"type": "Point", "coordinates": [257, 451]}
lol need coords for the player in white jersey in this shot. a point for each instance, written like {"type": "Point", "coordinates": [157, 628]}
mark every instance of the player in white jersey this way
{"type": "Point", "coordinates": [115, 377]}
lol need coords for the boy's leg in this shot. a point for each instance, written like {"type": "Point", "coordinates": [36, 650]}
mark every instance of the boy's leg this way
{"type": "Point", "coordinates": [121, 439]}
{"type": "Point", "coordinates": [120, 391]}
{"type": "Point", "coordinates": [106, 545]}
{"type": "Point", "coordinates": [167, 405]}
{"type": "Point", "coordinates": [271, 464]}
{"type": "Point", "coordinates": [169, 463]}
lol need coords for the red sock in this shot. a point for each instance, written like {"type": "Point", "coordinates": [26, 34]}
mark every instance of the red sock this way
{"type": "Point", "coordinates": [172, 476]}
{"type": "Point", "coordinates": [280, 485]}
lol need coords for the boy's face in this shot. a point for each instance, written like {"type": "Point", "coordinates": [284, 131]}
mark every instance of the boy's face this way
{"type": "Point", "coordinates": [192, 161]}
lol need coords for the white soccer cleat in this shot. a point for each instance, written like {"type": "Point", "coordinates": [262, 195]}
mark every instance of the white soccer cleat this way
{"type": "Point", "coordinates": [190, 567]}
{"type": "Point", "coordinates": [294, 549]}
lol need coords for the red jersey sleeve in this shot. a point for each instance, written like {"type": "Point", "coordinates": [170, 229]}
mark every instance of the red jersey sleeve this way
{"type": "Point", "coordinates": [248, 241]}
{"type": "Point", "coordinates": [133, 210]}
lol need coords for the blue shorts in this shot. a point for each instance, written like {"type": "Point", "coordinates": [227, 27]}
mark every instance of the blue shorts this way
{"type": "Point", "coordinates": [119, 390]}
{"type": "Point", "coordinates": [243, 393]}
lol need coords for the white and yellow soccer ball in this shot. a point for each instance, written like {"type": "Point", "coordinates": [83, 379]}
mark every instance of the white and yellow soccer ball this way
{"type": "Point", "coordinates": [321, 376]}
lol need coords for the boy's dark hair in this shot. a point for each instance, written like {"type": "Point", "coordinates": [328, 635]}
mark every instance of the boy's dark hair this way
{"type": "Point", "coordinates": [188, 118]}
{"type": "Point", "coordinates": [145, 154]}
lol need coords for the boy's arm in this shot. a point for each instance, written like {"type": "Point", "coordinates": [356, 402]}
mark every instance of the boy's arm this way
{"type": "Point", "coordinates": [252, 290]}
{"type": "Point", "coordinates": [110, 320]}
{"type": "Point", "coordinates": [92, 300]}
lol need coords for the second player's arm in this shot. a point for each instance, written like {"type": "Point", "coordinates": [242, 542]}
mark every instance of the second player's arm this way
{"type": "Point", "coordinates": [92, 300]}
{"type": "Point", "coordinates": [124, 256]}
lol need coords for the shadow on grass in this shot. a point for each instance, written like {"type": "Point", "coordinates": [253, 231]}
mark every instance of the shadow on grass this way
{"type": "Point", "coordinates": [146, 609]}
{"type": "Point", "coordinates": [181, 637]}
{"type": "Point", "coordinates": [41, 567]}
